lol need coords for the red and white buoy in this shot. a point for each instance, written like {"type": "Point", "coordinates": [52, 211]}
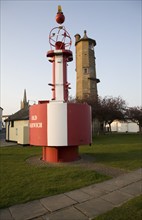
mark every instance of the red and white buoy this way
{"type": "Point", "coordinates": [58, 125]}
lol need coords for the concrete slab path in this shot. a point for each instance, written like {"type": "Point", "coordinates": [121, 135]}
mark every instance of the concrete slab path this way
{"type": "Point", "coordinates": [82, 204]}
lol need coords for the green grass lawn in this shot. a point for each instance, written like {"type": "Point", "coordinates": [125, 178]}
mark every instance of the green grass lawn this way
{"type": "Point", "coordinates": [131, 210]}
{"type": "Point", "coordinates": [21, 182]}
{"type": "Point", "coordinates": [118, 150]}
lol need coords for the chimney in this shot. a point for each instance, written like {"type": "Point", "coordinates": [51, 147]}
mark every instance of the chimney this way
{"type": "Point", "coordinates": [77, 37]}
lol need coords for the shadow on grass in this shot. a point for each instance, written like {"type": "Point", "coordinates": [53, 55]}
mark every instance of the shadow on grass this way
{"type": "Point", "coordinates": [125, 160]}
{"type": "Point", "coordinates": [118, 138]}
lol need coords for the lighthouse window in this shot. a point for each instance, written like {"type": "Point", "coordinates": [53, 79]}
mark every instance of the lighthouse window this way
{"type": "Point", "coordinates": [85, 95]}
{"type": "Point", "coordinates": [85, 70]}
{"type": "Point", "coordinates": [91, 46]}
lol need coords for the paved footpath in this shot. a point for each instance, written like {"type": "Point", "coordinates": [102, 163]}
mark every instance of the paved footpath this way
{"type": "Point", "coordinates": [81, 204]}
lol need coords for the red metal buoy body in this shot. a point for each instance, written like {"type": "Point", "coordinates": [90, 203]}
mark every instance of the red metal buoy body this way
{"type": "Point", "coordinates": [58, 125]}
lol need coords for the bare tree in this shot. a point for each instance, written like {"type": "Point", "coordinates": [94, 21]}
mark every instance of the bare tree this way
{"type": "Point", "coordinates": [115, 108]}
{"type": "Point", "coordinates": [135, 115]}
{"type": "Point", "coordinates": [106, 110]}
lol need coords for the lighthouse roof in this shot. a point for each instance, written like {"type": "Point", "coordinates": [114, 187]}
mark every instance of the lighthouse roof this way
{"type": "Point", "coordinates": [84, 38]}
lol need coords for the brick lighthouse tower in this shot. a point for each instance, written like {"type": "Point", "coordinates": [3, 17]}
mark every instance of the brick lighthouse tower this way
{"type": "Point", "coordinates": [86, 81]}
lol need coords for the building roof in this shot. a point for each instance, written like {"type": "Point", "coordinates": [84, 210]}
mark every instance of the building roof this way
{"type": "Point", "coordinates": [84, 38]}
{"type": "Point", "coordinates": [22, 114]}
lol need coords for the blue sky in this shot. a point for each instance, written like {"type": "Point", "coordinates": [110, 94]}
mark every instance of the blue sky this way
{"type": "Point", "coordinates": [25, 27]}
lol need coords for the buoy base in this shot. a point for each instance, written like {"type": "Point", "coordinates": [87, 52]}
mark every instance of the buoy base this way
{"type": "Point", "coordinates": [60, 154]}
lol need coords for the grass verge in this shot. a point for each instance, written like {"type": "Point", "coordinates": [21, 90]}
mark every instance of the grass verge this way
{"type": "Point", "coordinates": [123, 151]}
{"type": "Point", "coordinates": [130, 210]}
{"type": "Point", "coordinates": [21, 182]}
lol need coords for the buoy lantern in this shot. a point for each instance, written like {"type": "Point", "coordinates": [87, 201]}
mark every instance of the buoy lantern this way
{"type": "Point", "coordinates": [60, 18]}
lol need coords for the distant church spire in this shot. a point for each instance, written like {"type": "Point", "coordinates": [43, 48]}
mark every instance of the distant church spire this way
{"type": "Point", "coordinates": [25, 96]}
{"type": "Point", "coordinates": [24, 103]}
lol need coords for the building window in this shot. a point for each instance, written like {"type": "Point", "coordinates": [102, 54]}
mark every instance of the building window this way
{"type": "Point", "coordinates": [16, 131]}
{"type": "Point", "coordinates": [12, 123]}
{"type": "Point", "coordinates": [86, 95]}
{"type": "Point", "coordinates": [85, 70]}
{"type": "Point", "coordinates": [91, 46]}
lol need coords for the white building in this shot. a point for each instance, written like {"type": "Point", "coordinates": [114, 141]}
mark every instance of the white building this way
{"type": "Point", "coordinates": [121, 126]}
{"type": "Point", "coordinates": [17, 125]}
{"type": "Point", "coordinates": [1, 109]}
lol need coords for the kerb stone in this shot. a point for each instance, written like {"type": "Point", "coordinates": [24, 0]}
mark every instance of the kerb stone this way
{"type": "Point", "coordinates": [134, 189]}
{"type": "Point", "coordinates": [5, 214]}
{"type": "Point", "coordinates": [54, 203]}
{"type": "Point", "coordinates": [78, 195]}
{"type": "Point", "coordinates": [28, 210]}
{"type": "Point", "coordinates": [94, 207]}
{"type": "Point", "coordinates": [66, 214]}
{"type": "Point", "coordinates": [116, 197]}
